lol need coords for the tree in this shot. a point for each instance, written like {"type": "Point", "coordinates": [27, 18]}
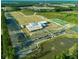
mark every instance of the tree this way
{"type": "Point", "coordinates": [8, 51]}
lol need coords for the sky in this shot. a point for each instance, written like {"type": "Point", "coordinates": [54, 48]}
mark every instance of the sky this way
{"type": "Point", "coordinates": [38, 0]}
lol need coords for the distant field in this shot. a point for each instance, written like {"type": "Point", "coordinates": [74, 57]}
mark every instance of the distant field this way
{"type": "Point", "coordinates": [67, 16]}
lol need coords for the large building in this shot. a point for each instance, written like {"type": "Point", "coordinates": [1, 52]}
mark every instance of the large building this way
{"type": "Point", "coordinates": [35, 26]}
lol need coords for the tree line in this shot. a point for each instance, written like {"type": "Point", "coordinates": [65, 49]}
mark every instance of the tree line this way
{"type": "Point", "coordinates": [7, 50]}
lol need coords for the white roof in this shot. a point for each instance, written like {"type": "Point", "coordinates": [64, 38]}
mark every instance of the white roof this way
{"type": "Point", "coordinates": [42, 22]}
{"type": "Point", "coordinates": [33, 26]}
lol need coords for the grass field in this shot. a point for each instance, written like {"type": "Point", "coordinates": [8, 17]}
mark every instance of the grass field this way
{"type": "Point", "coordinates": [75, 28]}
{"type": "Point", "coordinates": [57, 45]}
{"type": "Point", "coordinates": [67, 16]}
{"type": "Point", "coordinates": [59, 21]}
{"type": "Point", "coordinates": [22, 19]}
